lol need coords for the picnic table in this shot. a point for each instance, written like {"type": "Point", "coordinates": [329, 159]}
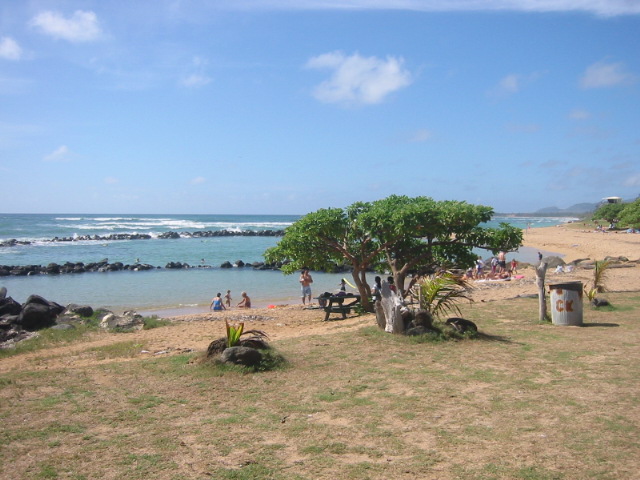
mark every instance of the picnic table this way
{"type": "Point", "coordinates": [336, 304]}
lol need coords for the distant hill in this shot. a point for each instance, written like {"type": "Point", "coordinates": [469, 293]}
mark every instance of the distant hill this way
{"type": "Point", "coordinates": [578, 208]}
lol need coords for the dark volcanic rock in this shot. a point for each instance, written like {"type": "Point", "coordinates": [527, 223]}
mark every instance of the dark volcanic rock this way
{"type": "Point", "coordinates": [82, 310]}
{"type": "Point", "coordinates": [241, 356]}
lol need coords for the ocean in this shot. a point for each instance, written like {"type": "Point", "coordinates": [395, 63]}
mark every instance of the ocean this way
{"type": "Point", "coordinates": [163, 291]}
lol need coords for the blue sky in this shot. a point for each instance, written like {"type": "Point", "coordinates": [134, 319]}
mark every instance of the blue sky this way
{"type": "Point", "coordinates": [283, 106]}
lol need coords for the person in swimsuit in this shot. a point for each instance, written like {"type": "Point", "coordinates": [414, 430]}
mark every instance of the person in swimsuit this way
{"type": "Point", "coordinates": [305, 282]}
{"type": "Point", "coordinates": [245, 302]}
{"type": "Point", "coordinates": [216, 303]}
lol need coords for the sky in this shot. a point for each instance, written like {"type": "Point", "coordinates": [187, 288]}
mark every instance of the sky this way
{"type": "Point", "coordinates": [289, 106]}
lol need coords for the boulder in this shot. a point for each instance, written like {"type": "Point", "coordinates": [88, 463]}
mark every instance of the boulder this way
{"type": "Point", "coordinates": [3, 293]}
{"type": "Point", "coordinates": [35, 316]}
{"type": "Point", "coordinates": [553, 262]}
{"type": "Point", "coordinates": [8, 306]}
{"type": "Point", "coordinates": [246, 356]}
{"type": "Point", "coordinates": [82, 310]}
{"type": "Point", "coordinates": [462, 325]}
{"type": "Point", "coordinates": [226, 264]}
{"type": "Point", "coordinates": [128, 321]}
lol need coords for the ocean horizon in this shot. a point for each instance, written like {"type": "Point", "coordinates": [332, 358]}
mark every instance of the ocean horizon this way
{"type": "Point", "coordinates": [160, 290]}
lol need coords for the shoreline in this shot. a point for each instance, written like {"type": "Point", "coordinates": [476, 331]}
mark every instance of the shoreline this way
{"type": "Point", "coordinates": [568, 241]}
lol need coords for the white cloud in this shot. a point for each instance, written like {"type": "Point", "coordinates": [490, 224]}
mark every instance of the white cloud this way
{"type": "Point", "coordinates": [512, 84]}
{"type": "Point", "coordinates": [604, 8]}
{"type": "Point", "coordinates": [632, 181]}
{"type": "Point", "coordinates": [579, 114]}
{"type": "Point", "coordinates": [195, 80]}
{"type": "Point", "coordinates": [198, 180]}
{"type": "Point", "coordinates": [80, 27]}
{"type": "Point", "coordinates": [111, 180]}
{"type": "Point", "coordinates": [421, 135]}
{"type": "Point", "coordinates": [523, 128]}
{"type": "Point", "coordinates": [602, 74]}
{"type": "Point", "coordinates": [60, 154]}
{"type": "Point", "coordinates": [357, 79]}
{"type": "Point", "coordinates": [9, 49]}
{"type": "Point", "coordinates": [14, 86]}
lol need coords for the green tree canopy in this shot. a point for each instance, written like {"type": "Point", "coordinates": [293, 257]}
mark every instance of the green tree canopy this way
{"type": "Point", "coordinates": [399, 233]}
{"type": "Point", "coordinates": [609, 212]}
{"type": "Point", "coordinates": [630, 216]}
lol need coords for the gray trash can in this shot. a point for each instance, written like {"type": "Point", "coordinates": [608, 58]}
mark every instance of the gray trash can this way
{"type": "Point", "coordinates": [566, 303]}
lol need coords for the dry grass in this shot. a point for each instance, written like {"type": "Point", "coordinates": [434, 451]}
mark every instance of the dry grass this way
{"type": "Point", "coordinates": [524, 401]}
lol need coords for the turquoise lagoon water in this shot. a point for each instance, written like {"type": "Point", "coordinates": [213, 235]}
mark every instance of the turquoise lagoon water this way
{"type": "Point", "coordinates": [164, 290]}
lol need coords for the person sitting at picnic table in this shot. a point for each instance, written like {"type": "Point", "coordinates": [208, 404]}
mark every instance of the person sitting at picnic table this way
{"type": "Point", "coordinates": [216, 303]}
{"type": "Point", "coordinates": [245, 302]}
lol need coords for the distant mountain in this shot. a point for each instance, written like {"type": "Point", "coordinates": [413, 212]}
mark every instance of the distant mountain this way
{"type": "Point", "coordinates": [577, 208]}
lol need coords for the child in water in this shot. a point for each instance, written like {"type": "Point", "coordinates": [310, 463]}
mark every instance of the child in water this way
{"type": "Point", "coordinates": [227, 298]}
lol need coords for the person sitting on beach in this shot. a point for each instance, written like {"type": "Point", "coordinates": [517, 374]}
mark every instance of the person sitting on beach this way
{"type": "Point", "coordinates": [559, 269]}
{"type": "Point", "coordinates": [245, 302]}
{"type": "Point", "coordinates": [227, 298]}
{"type": "Point", "coordinates": [216, 303]}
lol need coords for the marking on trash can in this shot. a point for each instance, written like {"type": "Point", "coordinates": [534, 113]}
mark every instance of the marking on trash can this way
{"type": "Point", "coordinates": [564, 306]}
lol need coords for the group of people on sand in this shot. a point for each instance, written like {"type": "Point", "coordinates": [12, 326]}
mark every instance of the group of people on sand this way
{"type": "Point", "coordinates": [498, 266]}
{"type": "Point", "coordinates": [218, 303]}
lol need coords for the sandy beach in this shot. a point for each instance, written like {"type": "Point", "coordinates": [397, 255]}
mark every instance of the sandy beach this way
{"type": "Point", "coordinates": [570, 240]}
{"type": "Point", "coordinates": [146, 395]}
{"type": "Point", "coordinates": [296, 320]}
{"type": "Point", "coordinates": [573, 242]}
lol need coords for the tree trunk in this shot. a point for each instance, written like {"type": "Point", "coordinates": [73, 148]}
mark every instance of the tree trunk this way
{"type": "Point", "coordinates": [381, 320]}
{"type": "Point", "coordinates": [363, 288]}
{"type": "Point", "coordinates": [541, 271]}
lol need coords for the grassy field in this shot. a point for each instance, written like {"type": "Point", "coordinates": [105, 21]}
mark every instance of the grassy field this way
{"type": "Point", "coordinates": [523, 401]}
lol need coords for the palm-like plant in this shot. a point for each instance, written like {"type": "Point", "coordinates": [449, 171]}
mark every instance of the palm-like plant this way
{"type": "Point", "coordinates": [438, 294]}
{"type": "Point", "coordinates": [599, 275]}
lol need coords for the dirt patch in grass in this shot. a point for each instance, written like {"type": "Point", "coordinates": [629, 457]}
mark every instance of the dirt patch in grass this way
{"type": "Point", "coordinates": [524, 400]}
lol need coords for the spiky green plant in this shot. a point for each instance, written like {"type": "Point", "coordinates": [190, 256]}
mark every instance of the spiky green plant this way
{"type": "Point", "coordinates": [599, 275]}
{"type": "Point", "coordinates": [255, 338]}
{"type": "Point", "coordinates": [590, 293]}
{"type": "Point", "coordinates": [234, 332]}
{"type": "Point", "coordinates": [438, 294]}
